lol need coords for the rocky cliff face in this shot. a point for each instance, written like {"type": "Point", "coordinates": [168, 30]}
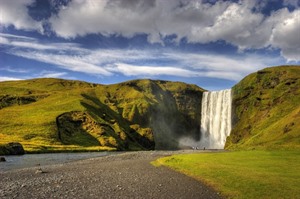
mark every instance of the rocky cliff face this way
{"type": "Point", "coordinates": [266, 107]}
{"type": "Point", "coordinates": [159, 112]}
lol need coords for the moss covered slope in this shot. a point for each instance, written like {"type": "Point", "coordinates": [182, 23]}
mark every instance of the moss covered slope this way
{"type": "Point", "coordinates": [54, 114]}
{"type": "Point", "coordinates": [266, 107]}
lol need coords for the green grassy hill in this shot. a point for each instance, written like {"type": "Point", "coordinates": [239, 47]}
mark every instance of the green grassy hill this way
{"type": "Point", "coordinates": [63, 115]}
{"type": "Point", "coordinates": [266, 107]}
{"type": "Point", "coordinates": [56, 115]}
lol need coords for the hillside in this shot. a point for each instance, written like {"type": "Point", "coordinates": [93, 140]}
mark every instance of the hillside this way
{"type": "Point", "coordinates": [56, 115]}
{"type": "Point", "coordinates": [266, 107]}
{"type": "Point", "coordinates": [48, 114]}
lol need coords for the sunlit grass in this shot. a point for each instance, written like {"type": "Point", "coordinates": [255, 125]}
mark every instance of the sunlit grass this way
{"type": "Point", "coordinates": [267, 108]}
{"type": "Point", "coordinates": [34, 148]}
{"type": "Point", "coordinates": [36, 120]}
{"type": "Point", "coordinates": [33, 124]}
{"type": "Point", "coordinates": [243, 174]}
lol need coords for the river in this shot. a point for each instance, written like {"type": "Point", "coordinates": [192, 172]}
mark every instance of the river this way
{"type": "Point", "coordinates": [32, 160]}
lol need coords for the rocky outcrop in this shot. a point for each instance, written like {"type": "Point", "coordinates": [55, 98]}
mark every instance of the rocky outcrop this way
{"type": "Point", "coordinates": [10, 100]}
{"type": "Point", "coordinates": [13, 148]}
{"type": "Point", "coordinates": [82, 129]}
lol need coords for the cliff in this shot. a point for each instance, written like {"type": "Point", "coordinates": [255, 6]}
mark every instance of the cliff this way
{"type": "Point", "coordinates": [47, 115]}
{"type": "Point", "coordinates": [266, 110]}
{"type": "Point", "coordinates": [56, 115]}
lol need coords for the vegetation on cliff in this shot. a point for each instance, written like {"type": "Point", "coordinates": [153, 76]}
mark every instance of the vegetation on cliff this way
{"type": "Point", "coordinates": [58, 115]}
{"type": "Point", "coordinates": [266, 109]}
{"type": "Point", "coordinates": [62, 115]}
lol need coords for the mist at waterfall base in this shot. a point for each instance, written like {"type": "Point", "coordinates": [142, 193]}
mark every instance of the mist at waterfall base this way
{"type": "Point", "coordinates": [215, 121]}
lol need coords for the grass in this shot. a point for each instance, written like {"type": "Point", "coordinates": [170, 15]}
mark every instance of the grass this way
{"type": "Point", "coordinates": [29, 108]}
{"type": "Point", "coordinates": [63, 148]}
{"type": "Point", "coordinates": [243, 174]}
{"type": "Point", "coordinates": [267, 110]}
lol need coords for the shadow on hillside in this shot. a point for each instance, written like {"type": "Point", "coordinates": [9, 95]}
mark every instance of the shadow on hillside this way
{"type": "Point", "coordinates": [70, 131]}
{"type": "Point", "coordinates": [97, 110]}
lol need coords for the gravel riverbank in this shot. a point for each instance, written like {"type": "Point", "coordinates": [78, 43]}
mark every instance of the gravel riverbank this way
{"type": "Point", "coordinates": [128, 175]}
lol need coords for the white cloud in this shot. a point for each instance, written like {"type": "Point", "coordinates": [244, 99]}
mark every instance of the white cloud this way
{"type": "Point", "coordinates": [32, 43]}
{"type": "Point", "coordinates": [16, 37]}
{"type": "Point", "coordinates": [137, 70]}
{"type": "Point", "coordinates": [235, 23]}
{"type": "Point", "coordinates": [286, 33]}
{"type": "Point", "coordinates": [13, 69]}
{"type": "Point", "coordinates": [4, 78]}
{"type": "Point", "coordinates": [64, 55]}
{"type": "Point", "coordinates": [221, 66]}
{"type": "Point", "coordinates": [109, 62]}
{"type": "Point", "coordinates": [15, 13]}
{"type": "Point", "coordinates": [52, 74]}
{"type": "Point", "coordinates": [198, 22]}
{"type": "Point", "coordinates": [68, 62]}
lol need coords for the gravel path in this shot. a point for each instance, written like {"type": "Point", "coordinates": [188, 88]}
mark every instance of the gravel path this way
{"type": "Point", "coordinates": [128, 175]}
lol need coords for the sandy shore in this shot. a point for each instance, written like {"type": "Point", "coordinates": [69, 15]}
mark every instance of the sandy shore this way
{"type": "Point", "coordinates": [128, 175]}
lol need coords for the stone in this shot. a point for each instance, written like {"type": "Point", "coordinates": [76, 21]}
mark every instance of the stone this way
{"type": "Point", "coordinates": [2, 159]}
{"type": "Point", "coordinates": [16, 148]}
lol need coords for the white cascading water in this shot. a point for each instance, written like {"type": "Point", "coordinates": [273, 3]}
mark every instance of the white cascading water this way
{"type": "Point", "coordinates": [215, 119]}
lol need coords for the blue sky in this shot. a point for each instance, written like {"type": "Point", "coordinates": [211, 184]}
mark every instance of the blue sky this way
{"type": "Point", "coordinates": [213, 44]}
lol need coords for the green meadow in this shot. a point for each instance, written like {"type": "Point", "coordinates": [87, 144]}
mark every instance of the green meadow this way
{"type": "Point", "coordinates": [33, 124]}
{"type": "Point", "coordinates": [243, 174]}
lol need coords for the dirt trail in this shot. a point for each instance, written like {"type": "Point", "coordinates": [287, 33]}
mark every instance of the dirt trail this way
{"type": "Point", "coordinates": [128, 175]}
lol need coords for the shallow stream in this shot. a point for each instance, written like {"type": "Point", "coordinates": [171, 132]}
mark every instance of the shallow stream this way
{"type": "Point", "coordinates": [33, 160]}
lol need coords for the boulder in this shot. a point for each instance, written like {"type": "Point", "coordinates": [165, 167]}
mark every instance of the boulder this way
{"type": "Point", "coordinates": [2, 159]}
{"type": "Point", "coordinates": [12, 148]}
{"type": "Point", "coordinates": [15, 148]}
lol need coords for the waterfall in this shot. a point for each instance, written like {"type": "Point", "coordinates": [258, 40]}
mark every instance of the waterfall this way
{"type": "Point", "coordinates": [215, 119]}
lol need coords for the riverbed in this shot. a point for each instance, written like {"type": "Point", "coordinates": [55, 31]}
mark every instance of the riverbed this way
{"type": "Point", "coordinates": [127, 175]}
{"type": "Point", "coordinates": [33, 160]}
